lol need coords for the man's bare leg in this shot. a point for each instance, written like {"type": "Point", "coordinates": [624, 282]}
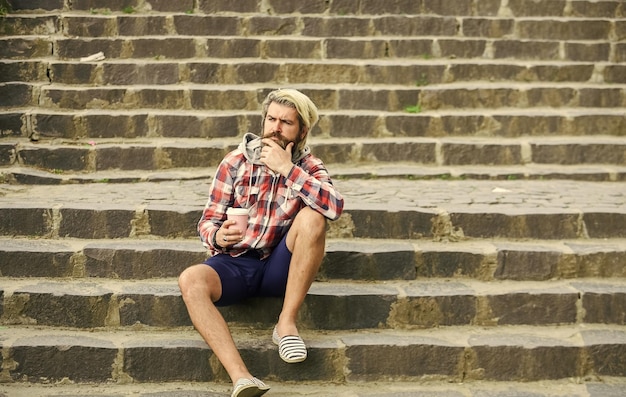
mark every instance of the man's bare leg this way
{"type": "Point", "coordinates": [201, 286]}
{"type": "Point", "coordinates": [306, 240]}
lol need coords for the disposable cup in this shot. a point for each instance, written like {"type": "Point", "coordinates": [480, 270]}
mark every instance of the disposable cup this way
{"type": "Point", "coordinates": [239, 215]}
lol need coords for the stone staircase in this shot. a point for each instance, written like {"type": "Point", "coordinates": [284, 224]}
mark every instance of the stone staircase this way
{"type": "Point", "coordinates": [479, 145]}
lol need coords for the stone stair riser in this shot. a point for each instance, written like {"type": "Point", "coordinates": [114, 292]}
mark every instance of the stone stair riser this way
{"type": "Point", "coordinates": [143, 157]}
{"type": "Point", "coordinates": [338, 308]}
{"type": "Point", "coordinates": [389, 100]}
{"type": "Point", "coordinates": [139, 222]}
{"type": "Point", "coordinates": [558, 8]}
{"type": "Point", "coordinates": [421, 73]}
{"type": "Point", "coordinates": [38, 361]}
{"type": "Point", "coordinates": [144, 262]}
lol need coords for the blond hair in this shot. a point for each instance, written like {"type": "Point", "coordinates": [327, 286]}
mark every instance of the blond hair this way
{"type": "Point", "coordinates": [307, 111]}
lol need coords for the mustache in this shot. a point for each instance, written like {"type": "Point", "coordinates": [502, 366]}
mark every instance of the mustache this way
{"type": "Point", "coordinates": [281, 141]}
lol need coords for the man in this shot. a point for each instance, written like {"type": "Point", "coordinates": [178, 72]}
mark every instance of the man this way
{"type": "Point", "coordinates": [289, 195]}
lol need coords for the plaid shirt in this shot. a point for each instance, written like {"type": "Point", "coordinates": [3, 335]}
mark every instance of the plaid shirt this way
{"type": "Point", "coordinates": [272, 200]}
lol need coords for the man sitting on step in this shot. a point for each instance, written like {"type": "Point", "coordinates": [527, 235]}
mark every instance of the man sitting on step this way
{"type": "Point", "coordinates": [288, 195]}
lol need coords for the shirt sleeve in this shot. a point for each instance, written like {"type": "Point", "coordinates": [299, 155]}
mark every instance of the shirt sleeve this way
{"type": "Point", "coordinates": [314, 186]}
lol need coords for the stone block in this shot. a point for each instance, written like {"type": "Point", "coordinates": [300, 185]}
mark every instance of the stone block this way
{"type": "Point", "coordinates": [95, 223]}
{"type": "Point", "coordinates": [430, 306]}
{"type": "Point", "coordinates": [125, 158]}
{"type": "Point", "coordinates": [23, 221]}
{"type": "Point", "coordinates": [207, 25]}
{"type": "Point", "coordinates": [526, 265]}
{"type": "Point", "coordinates": [585, 52]}
{"type": "Point", "coordinates": [48, 5]}
{"type": "Point", "coordinates": [382, 224]}
{"type": "Point", "coordinates": [531, 225]}
{"type": "Point", "coordinates": [290, 7]}
{"type": "Point", "coordinates": [191, 157]}
{"type": "Point", "coordinates": [601, 224]}
{"type": "Point", "coordinates": [415, 152]}
{"type": "Point", "coordinates": [161, 98]}
{"type": "Point", "coordinates": [74, 73]}
{"type": "Point", "coordinates": [356, 49]}
{"type": "Point", "coordinates": [410, 125]}
{"type": "Point", "coordinates": [168, 47]}
{"type": "Point", "coordinates": [36, 25]}
{"type": "Point", "coordinates": [516, 362]}
{"type": "Point", "coordinates": [216, 6]}
{"type": "Point", "coordinates": [16, 95]}
{"type": "Point", "coordinates": [521, 125]}
{"type": "Point", "coordinates": [447, 7]}
{"type": "Point", "coordinates": [23, 70]}
{"type": "Point", "coordinates": [112, 5]}
{"type": "Point", "coordinates": [487, 27]}
{"type": "Point", "coordinates": [102, 125]}
{"type": "Point", "coordinates": [25, 48]}
{"type": "Point", "coordinates": [594, 9]}
{"type": "Point", "coordinates": [260, 311]}
{"type": "Point", "coordinates": [143, 261]}
{"type": "Point", "coordinates": [603, 303]}
{"type": "Point", "coordinates": [372, 7]}
{"type": "Point", "coordinates": [304, 49]}
{"type": "Point", "coordinates": [194, 126]}
{"type": "Point", "coordinates": [395, 25]}
{"type": "Point", "coordinates": [167, 223]}
{"type": "Point", "coordinates": [447, 264]}
{"type": "Point", "coordinates": [55, 358]}
{"type": "Point", "coordinates": [55, 125]}
{"type": "Point", "coordinates": [268, 25]}
{"type": "Point", "coordinates": [527, 8]}
{"type": "Point", "coordinates": [75, 48]}
{"type": "Point", "coordinates": [606, 350]}
{"type": "Point", "coordinates": [81, 306]}
{"type": "Point", "coordinates": [348, 307]}
{"type": "Point", "coordinates": [19, 259]}
{"type": "Point", "coordinates": [335, 27]}
{"type": "Point", "coordinates": [598, 124]}
{"type": "Point", "coordinates": [161, 73]}
{"type": "Point", "coordinates": [471, 154]}
{"type": "Point", "coordinates": [153, 307]}
{"type": "Point", "coordinates": [171, 6]}
{"type": "Point", "coordinates": [489, 8]}
{"type": "Point", "coordinates": [554, 73]}
{"type": "Point", "coordinates": [192, 360]}
{"type": "Point", "coordinates": [7, 152]}
{"type": "Point", "coordinates": [406, 48]}
{"type": "Point", "coordinates": [539, 308]}
{"type": "Point", "coordinates": [144, 25]}
{"type": "Point", "coordinates": [595, 260]}
{"type": "Point", "coordinates": [97, 98]}
{"type": "Point", "coordinates": [615, 74]}
{"type": "Point", "coordinates": [554, 97]}
{"type": "Point", "coordinates": [344, 263]}
{"type": "Point", "coordinates": [564, 30]}
{"type": "Point", "coordinates": [379, 358]}
{"type": "Point", "coordinates": [55, 158]}
{"type": "Point", "coordinates": [233, 48]}
{"type": "Point", "coordinates": [527, 49]}
{"type": "Point", "coordinates": [565, 153]}
{"type": "Point", "coordinates": [602, 97]}
{"type": "Point", "coordinates": [89, 26]}
{"type": "Point", "coordinates": [462, 48]}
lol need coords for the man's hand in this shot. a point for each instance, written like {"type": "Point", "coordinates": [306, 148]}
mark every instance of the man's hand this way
{"type": "Point", "coordinates": [277, 158]}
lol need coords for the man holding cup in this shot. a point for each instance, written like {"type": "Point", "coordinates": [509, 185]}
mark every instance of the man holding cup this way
{"type": "Point", "coordinates": [286, 195]}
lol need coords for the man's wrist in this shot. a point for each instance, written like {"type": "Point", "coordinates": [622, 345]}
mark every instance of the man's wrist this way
{"type": "Point", "coordinates": [215, 244]}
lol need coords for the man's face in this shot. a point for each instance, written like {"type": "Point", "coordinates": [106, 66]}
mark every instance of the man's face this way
{"type": "Point", "coordinates": [282, 125]}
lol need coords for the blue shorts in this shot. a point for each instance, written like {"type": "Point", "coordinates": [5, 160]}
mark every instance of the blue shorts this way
{"type": "Point", "coordinates": [247, 276]}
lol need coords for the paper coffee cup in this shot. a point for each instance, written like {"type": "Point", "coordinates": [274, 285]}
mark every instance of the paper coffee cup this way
{"type": "Point", "coordinates": [239, 215]}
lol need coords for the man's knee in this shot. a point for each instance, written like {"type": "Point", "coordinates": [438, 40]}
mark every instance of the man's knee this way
{"type": "Point", "coordinates": [311, 221]}
{"type": "Point", "coordinates": [199, 277]}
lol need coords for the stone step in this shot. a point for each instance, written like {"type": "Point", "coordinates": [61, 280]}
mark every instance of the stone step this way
{"type": "Point", "coordinates": [389, 209]}
{"type": "Point", "coordinates": [454, 354]}
{"type": "Point", "coordinates": [89, 303]}
{"type": "Point", "coordinates": [369, 260]}
{"type": "Point", "coordinates": [584, 387]}
{"type": "Point", "coordinates": [163, 154]}
{"type": "Point", "coordinates": [386, 98]}
{"type": "Point", "coordinates": [265, 73]}
{"type": "Point", "coordinates": [589, 173]}
{"type": "Point", "coordinates": [518, 8]}
{"type": "Point", "coordinates": [93, 125]}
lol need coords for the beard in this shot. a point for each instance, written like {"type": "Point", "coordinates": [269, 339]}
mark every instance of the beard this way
{"type": "Point", "coordinates": [282, 141]}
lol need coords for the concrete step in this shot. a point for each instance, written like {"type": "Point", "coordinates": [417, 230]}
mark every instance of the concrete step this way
{"type": "Point", "coordinates": [390, 208]}
{"type": "Point", "coordinates": [369, 260]}
{"type": "Point", "coordinates": [163, 154]}
{"type": "Point", "coordinates": [386, 98]}
{"type": "Point", "coordinates": [453, 354]}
